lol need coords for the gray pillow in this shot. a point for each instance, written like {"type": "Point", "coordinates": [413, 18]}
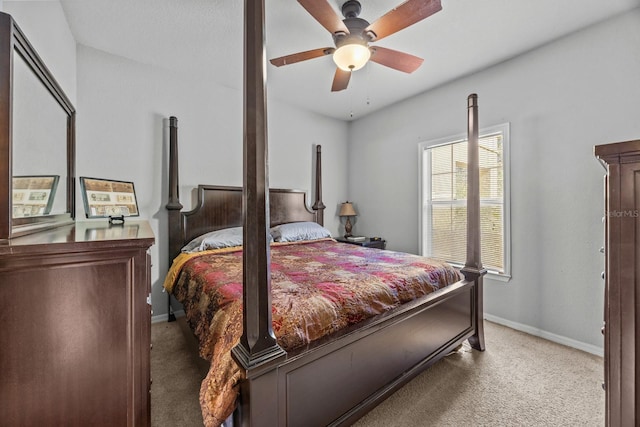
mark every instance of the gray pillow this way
{"type": "Point", "coordinates": [225, 238]}
{"type": "Point", "coordinates": [295, 231]}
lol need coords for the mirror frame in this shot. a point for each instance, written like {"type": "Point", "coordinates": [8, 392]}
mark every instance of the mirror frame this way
{"type": "Point", "coordinates": [13, 40]}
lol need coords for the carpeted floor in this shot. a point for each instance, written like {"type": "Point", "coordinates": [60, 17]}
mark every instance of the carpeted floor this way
{"type": "Point", "coordinates": [520, 380]}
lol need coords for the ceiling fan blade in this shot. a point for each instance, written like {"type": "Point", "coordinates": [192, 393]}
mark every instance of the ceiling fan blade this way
{"type": "Point", "coordinates": [322, 11]}
{"type": "Point", "coordinates": [340, 80]}
{"type": "Point", "coordinates": [301, 56]}
{"type": "Point", "coordinates": [408, 13]}
{"type": "Point", "coordinates": [394, 59]}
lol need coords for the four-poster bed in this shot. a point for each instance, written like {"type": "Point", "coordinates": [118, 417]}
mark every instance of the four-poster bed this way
{"type": "Point", "coordinates": [334, 379]}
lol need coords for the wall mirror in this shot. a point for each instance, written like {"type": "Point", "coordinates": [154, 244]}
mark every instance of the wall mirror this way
{"type": "Point", "coordinates": [37, 140]}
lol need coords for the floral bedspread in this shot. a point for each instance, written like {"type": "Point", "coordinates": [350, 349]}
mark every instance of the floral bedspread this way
{"type": "Point", "coordinates": [317, 288]}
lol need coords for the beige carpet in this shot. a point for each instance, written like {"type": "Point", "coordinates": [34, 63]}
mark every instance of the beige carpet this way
{"type": "Point", "coordinates": [520, 380]}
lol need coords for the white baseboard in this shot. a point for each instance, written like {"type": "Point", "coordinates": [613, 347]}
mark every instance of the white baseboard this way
{"type": "Point", "coordinates": [569, 342]}
{"type": "Point", "coordinates": [163, 317]}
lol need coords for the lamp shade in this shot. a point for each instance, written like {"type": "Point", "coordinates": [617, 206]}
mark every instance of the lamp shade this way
{"type": "Point", "coordinates": [347, 209]}
{"type": "Point", "coordinates": [352, 56]}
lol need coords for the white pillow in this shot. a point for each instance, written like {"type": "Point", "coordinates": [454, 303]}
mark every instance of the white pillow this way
{"type": "Point", "coordinates": [295, 231]}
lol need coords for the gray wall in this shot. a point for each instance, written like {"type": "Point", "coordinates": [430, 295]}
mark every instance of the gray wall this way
{"type": "Point", "coordinates": [561, 100]}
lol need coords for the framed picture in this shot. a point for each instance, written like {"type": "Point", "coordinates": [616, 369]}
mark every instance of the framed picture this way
{"type": "Point", "coordinates": [33, 195]}
{"type": "Point", "coordinates": [106, 198]}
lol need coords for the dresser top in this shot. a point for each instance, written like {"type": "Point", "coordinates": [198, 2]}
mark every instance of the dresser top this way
{"type": "Point", "coordinates": [83, 234]}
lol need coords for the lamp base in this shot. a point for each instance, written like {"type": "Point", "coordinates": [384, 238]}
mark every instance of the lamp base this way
{"type": "Point", "coordinates": [347, 228]}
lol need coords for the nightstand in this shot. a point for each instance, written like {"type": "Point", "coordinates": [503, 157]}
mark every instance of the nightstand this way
{"type": "Point", "coordinates": [367, 243]}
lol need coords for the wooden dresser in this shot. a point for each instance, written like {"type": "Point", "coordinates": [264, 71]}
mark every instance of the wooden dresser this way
{"type": "Point", "coordinates": [622, 282]}
{"type": "Point", "coordinates": [75, 326]}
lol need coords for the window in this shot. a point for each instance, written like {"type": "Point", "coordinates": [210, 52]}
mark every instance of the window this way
{"type": "Point", "coordinates": [443, 220]}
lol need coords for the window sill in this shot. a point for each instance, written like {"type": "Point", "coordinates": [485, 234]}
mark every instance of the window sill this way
{"type": "Point", "coordinates": [491, 274]}
{"type": "Point", "coordinates": [500, 277]}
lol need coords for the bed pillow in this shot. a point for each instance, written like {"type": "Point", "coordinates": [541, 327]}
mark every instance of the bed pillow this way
{"type": "Point", "coordinates": [225, 238]}
{"type": "Point", "coordinates": [295, 231]}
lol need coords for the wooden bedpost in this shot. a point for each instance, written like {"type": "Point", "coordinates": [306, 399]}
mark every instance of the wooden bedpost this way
{"type": "Point", "coordinates": [318, 206]}
{"type": "Point", "coordinates": [173, 206]}
{"type": "Point", "coordinates": [473, 270]}
{"type": "Point", "coordinates": [258, 349]}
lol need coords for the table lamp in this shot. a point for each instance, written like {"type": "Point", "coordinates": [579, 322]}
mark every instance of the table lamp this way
{"type": "Point", "coordinates": [348, 211]}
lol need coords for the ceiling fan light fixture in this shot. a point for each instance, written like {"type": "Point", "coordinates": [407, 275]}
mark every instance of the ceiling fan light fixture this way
{"type": "Point", "coordinates": [352, 56]}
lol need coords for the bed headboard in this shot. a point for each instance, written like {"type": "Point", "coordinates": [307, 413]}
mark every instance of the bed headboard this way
{"type": "Point", "coordinates": [220, 207]}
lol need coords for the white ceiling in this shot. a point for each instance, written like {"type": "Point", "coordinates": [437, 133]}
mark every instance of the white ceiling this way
{"type": "Point", "coordinates": [466, 36]}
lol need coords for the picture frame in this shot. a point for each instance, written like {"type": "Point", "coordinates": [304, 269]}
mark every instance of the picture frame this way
{"type": "Point", "coordinates": [108, 198]}
{"type": "Point", "coordinates": [33, 195]}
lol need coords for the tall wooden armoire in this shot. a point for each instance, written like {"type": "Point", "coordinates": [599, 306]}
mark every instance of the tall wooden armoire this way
{"type": "Point", "coordinates": [622, 281]}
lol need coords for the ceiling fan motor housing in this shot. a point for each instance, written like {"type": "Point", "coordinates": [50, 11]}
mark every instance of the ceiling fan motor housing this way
{"type": "Point", "coordinates": [356, 34]}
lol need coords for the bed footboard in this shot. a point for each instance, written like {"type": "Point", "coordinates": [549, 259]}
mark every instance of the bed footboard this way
{"type": "Point", "coordinates": [338, 381]}
{"type": "Point", "coordinates": [339, 387]}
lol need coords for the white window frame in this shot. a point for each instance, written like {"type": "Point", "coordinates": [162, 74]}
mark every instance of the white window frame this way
{"type": "Point", "coordinates": [424, 172]}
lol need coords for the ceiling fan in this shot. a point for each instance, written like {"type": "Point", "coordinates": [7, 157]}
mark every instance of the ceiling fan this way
{"type": "Point", "coordinates": [352, 36]}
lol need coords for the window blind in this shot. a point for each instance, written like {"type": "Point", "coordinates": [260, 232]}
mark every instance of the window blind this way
{"type": "Point", "coordinates": [445, 195]}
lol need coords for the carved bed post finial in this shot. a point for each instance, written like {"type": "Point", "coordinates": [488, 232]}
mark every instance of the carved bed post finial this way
{"type": "Point", "coordinates": [473, 270]}
{"type": "Point", "coordinates": [318, 206]}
